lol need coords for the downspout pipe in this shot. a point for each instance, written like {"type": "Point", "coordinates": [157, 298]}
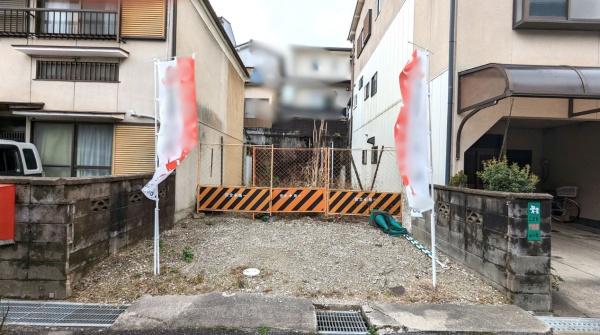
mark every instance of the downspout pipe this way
{"type": "Point", "coordinates": [451, 76]}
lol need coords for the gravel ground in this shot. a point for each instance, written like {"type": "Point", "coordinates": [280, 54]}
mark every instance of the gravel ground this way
{"type": "Point", "coordinates": [328, 262]}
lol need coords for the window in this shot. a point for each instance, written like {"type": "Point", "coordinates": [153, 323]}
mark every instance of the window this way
{"type": "Point", "coordinates": [556, 14]}
{"type": "Point", "coordinates": [10, 163]}
{"type": "Point", "coordinates": [378, 6]}
{"type": "Point", "coordinates": [359, 44]}
{"type": "Point", "coordinates": [364, 157]}
{"type": "Point", "coordinates": [256, 108]}
{"type": "Point", "coordinates": [355, 101]}
{"type": "Point", "coordinates": [367, 28]}
{"type": "Point", "coordinates": [360, 83]}
{"type": "Point", "coordinates": [556, 8]}
{"type": "Point", "coordinates": [77, 71]}
{"type": "Point", "coordinates": [30, 160]}
{"type": "Point", "coordinates": [80, 149]}
{"type": "Point", "coordinates": [374, 155]}
{"type": "Point", "coordinates": [143, 18]}
{"type": "Point", "coordinates": [374, 84]}
{"type": "Point", "coordinates": [367, 91]}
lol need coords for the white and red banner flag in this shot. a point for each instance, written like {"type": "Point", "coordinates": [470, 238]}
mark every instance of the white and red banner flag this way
{"type": "Point", "coordinates": [411, 133]}
{"type": "Point", "coordinates": [178, 117]}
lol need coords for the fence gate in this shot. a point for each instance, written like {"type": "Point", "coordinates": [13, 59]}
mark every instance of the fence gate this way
{"type": "Point", "coordinates": [297, 180]}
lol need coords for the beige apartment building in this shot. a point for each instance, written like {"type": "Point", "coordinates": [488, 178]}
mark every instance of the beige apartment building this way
{"type": "Point", "coordinates": [78, 82]}
{"type": "Point", "coordinates": [520, 72]}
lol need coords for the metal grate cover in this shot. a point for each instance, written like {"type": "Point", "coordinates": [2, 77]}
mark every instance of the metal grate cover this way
{"type": "Point", "coordinates": [565, 324]}
{"type": "Point", "coordinates": [59, 314]}
{"type": "Point", "coordinates": [340, 323]}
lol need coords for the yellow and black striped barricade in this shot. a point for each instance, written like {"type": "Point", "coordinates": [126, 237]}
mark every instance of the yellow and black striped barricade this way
{"type": "Point", "coordinates": [233, 199]}
{"type": "Point", "coordinates": [298, 200]}
{"type": "Point", "coordinates": [345, 202]}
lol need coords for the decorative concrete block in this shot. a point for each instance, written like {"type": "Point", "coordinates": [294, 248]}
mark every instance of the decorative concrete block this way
{"type": "Point", "coordinates": [33, 289]}
{"type": "Point", "coordinates": [528, 265]}
{"type": "Point", "coordinates": [47, 194]}
{"type": "Point", "coordinates": [22, 194]}
{"type": "Point", "coordinates": [496, 206]}
{"type": "Point", "coordinates": [47, 271]}
{"type": "Point", "coordinates": [13, 269]}
{"type": "Point", "coordinates": [532, 302]}
{"type": "Point", "coordinates": [41, 213]}
{"type": "Point", "coordinates": [529, 284]}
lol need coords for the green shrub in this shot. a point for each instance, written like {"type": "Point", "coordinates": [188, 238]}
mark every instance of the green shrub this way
{"type": "Point", "coordinates": [187, 255]}
{"type": "Point", "coordinates": [459, 179]}
{"type": "Point", "coordinates": [499, 175]}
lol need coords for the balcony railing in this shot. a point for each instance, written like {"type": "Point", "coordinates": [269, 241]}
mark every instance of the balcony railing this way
{"type": "Point", "coordinates": [58, 23]}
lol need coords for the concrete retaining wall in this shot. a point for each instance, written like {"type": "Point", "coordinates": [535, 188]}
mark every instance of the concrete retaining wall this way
{"type": "Point", "coordinates": [65, 225]}
{"type": "Point", "coordinates": [487, 231]}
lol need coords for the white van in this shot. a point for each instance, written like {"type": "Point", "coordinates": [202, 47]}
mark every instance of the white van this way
{"type": "Point", "coordinates": [19, 159]}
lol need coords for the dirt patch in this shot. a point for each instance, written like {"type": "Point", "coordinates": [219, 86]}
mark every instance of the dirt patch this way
{"type": "Point", "coordinates": [340, 261]}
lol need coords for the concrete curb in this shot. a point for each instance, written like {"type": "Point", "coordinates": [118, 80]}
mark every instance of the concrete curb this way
{"type": "Point", "coordinates": [221, 313]}
{"type": "Point", "coordinates": [452, 319]}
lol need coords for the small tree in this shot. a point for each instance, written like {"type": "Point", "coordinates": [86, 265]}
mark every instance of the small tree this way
{"type": "Point", "coordinates": [499, 175]}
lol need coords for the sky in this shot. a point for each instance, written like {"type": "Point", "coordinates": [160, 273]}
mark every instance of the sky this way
{"type": "Point", "coordinates": [286, 22]}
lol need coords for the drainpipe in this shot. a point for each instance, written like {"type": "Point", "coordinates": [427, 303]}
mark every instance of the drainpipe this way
{"type": "Point", "coordinates": [451, 66]}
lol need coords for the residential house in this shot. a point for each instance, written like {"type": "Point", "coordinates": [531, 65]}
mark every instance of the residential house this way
{"type": "Point", "coordinates": [380, 32]}
{"type": "Point", "coordinates": [289, 96]}
{"type": "Point", "coordinates": [520, 73]}
{"type": "Point", "coordinates": [78, 81]}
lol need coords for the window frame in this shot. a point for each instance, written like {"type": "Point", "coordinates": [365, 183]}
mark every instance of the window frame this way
{"type": "Point", "coordinates": [72, 67]}
{"type": "Point", "coordinates": [364, 156]}
{"type": "Point", "coordinates": [73, 167]}
{"type": "Point", "coordinates": [551, 22]}
{"type": "Point", "coordinates": [377, 8]}
{"type": "Point", "coordinates": [374, 154]}
{"type": "Point", "coordinates": [374, 84]}
{"type": "Point", "coordinates": [367, 91]}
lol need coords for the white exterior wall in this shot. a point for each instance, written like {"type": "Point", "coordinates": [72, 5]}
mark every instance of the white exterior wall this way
{"type": "Point", "coordinates": [376, 116]}
{"type": "Point", "coordinates": [438, 107]}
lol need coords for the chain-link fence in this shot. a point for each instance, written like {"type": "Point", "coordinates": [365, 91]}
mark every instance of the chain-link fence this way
{"type": "Point", "coordinates": [372, 170]}
{"type": "Point", "coordinates": [364, 169]}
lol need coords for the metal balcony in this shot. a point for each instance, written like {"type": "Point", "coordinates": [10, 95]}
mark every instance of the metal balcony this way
{"type": "Point", "coordinates": [58, 23]}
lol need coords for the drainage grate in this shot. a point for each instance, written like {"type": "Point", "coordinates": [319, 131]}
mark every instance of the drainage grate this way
{"type": "Point", "coordinates": [60, 314]}
{"type": "Point", "coordinates": [565, 324]}
{"type": "Point", "coordinates": [340, 323]}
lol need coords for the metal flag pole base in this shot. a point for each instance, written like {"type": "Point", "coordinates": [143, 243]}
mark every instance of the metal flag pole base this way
{"type": "Point", "coordinates": [156, 241]}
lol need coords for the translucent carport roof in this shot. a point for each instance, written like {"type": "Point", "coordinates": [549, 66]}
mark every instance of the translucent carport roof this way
{"type": "Point", "coordinates": [485, 85]}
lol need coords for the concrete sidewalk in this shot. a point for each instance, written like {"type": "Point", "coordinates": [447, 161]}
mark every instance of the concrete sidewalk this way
{"type": "Point", "coordinates": [576, 258]}
{"type": "Point", "coordinates": [452, 319]}
{"type": "Point", "coordinates": [243, 313]}
{"type": "Point", "coordinates": [257, 313]}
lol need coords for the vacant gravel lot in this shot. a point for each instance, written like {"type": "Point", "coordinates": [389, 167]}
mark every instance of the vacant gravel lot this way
{"type": "Point", "coordinates": [344, 262]}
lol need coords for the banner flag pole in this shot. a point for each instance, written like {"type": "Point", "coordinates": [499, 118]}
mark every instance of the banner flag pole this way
{"type": "Point", "coordinates": [156, 208]}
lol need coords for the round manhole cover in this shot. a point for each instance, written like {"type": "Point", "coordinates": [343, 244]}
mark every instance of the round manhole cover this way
{"type": "Point", "coordinates": [251, 272]}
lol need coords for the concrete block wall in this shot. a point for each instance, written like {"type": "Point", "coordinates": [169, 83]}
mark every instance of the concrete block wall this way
{"type": "Point", "coordinates": [65, 225]}
{"type": "Point", "coordinates": [487, 232]}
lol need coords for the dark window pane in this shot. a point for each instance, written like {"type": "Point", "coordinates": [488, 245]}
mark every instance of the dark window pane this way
{"type": "Point", "coordinates": [548, 8]}
{"type": "Point", "coordinates": [30, 161]}
{"type": "Point", "coordinates": [10, 164]}
{"type": "Point", "coordinates": [374, 84]}
{"type": "Point", "coordinates": [364, 157]}
{"type": "Point", "coordinates": [374, 155]}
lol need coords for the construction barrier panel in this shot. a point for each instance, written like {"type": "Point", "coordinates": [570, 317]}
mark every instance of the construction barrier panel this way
{"type": "Point", "coordinates": [346, 202]}
{"type": "Point", "coordinates": [298, 200]}
{"type": "Point", "coordinates": [234, 199]}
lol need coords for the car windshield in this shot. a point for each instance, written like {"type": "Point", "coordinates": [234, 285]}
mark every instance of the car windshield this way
{"type": "Point", "coordinates": [10, 163]}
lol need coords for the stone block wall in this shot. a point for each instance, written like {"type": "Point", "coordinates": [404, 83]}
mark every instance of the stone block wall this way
{"type": "Point", "coordinates": [65, 225]}
{"type": "Point", "coordinates": [487, 232]}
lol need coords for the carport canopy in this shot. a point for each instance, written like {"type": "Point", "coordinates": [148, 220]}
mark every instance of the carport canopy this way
{"type": "Point", "coordinates": [485, 85]}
